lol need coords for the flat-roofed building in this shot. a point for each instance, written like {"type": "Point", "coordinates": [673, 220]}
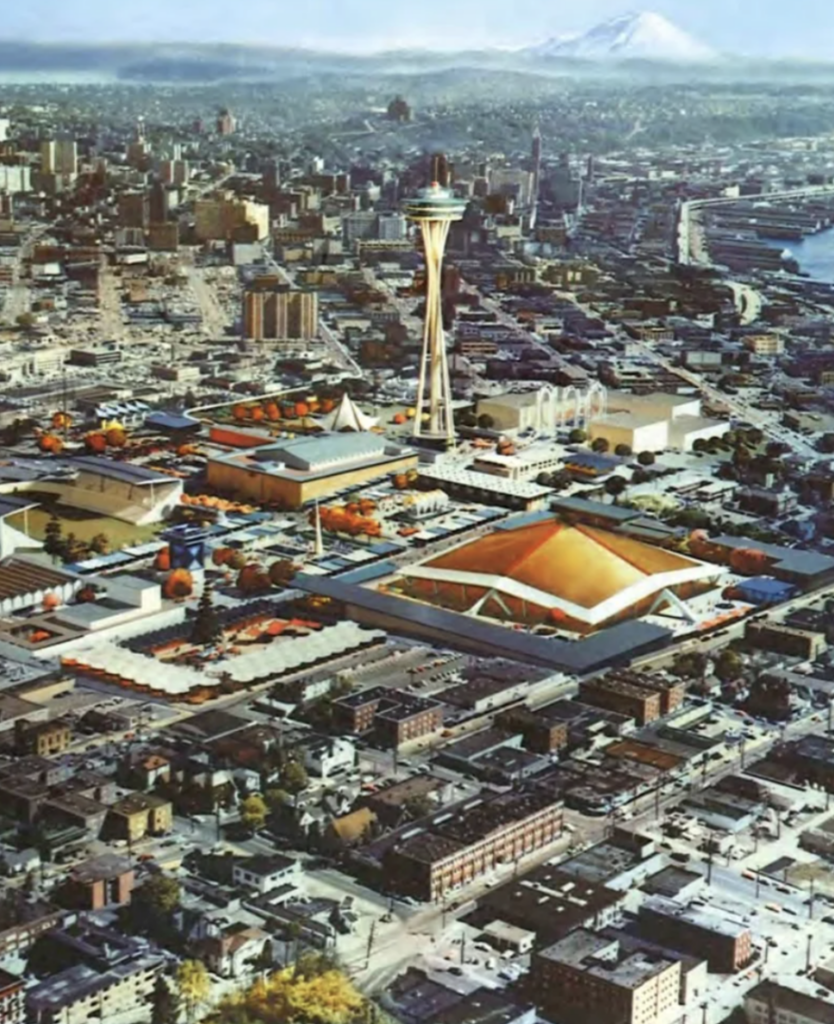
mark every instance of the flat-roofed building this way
{"type": "Point", "coordinates": [772, 1003]}
{"type": "Point", "coordinates": [294, 473]}
{"type": "Point", "coordinates": [590, 977]}
{"type": "Point", "coordinates": [726, 946]}
{"type": "Point", "coordinates": [280, 315]}
{"type": "Point", "coordinates": [464, 841]}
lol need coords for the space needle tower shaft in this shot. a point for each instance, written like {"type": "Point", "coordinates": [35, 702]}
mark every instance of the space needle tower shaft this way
{"type": "Point", "coordinates": [434, 209]}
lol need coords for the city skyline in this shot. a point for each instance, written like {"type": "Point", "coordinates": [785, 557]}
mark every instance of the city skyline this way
{"type": "Point", "coordinates": [365, 26]}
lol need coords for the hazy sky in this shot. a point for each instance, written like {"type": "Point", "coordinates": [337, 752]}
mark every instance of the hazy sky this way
{"type": "Point", "coordinates": [803, 28]}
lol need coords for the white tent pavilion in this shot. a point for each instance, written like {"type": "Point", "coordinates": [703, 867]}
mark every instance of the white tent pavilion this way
{"type": "Point", "coordinates": [348, 416]}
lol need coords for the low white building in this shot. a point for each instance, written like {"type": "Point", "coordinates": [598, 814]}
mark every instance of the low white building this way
{"type": "Point", "coordinates": [324, 755]}
{"type": "Point", "coordinates": [654, 422]}
{"type": "Point", "coordinates": [264, 873]}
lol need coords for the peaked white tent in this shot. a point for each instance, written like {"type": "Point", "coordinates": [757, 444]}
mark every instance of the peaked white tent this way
{"type": "Point", "coordinates": [348, 416]}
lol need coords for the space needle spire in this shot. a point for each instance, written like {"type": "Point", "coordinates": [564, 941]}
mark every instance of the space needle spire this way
{"type": "Point", "coordinates": [434, 209]}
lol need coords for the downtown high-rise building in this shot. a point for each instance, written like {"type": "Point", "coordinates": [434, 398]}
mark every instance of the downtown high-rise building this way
{"type": "Point", "coordinates": [59, 156]}
{"type": "Point", "coordinates": [280, 315]}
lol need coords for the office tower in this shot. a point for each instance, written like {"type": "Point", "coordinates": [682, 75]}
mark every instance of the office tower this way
{"type": "Point", "coordinates": [225, 122]}
{"type": "Point", "coordinates": [440, 170]}
{"type": "Point", "coordinates": [271, 176]}
{"type": "Point", "coordinates": [5, 124]}
{"type": "Point", "coordinates": [434, 209]}
{"type": "Point", "coordinates": [160, 204]}
{"type": "Point", "coordinates": [280, 315]}
{"type": "Point", "coordinates": [536, 167]}
{"type": "Point", "coordinates": [59, 156]}
{"type": "Point", "coordinates": [134, 210]}
{"type": "Point", "coordinates": [175, 172]}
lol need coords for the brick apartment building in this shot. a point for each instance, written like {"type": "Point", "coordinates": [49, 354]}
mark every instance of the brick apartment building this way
{"type": "Point", "coordinates": [540, 733]}
{"type": "Point", "coordinates": [465, 841]}
{"type": "Point", "coordinates": [395, 717]}
{"type": "Point", "coordinates": [642, 696]}
{"type": "Point", "coordinates": [588, 977]}
{"type": "Point", "coordinates": [727, 947]}
{"type": "Point", "coordinates": [101, 882]}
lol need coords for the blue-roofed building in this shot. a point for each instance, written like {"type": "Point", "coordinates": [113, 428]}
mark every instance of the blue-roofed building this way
{"type": "Point", "coordinates": [172, 423]}
{"type": "Point", "coordinates": [294, 473]}
{"type": "Point", "coordinates": [766, 590]}
{"type": "Point", "coordinates": [591, 464]}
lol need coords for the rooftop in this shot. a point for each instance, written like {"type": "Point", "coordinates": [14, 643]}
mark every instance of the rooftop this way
{"type": "Point", "coordinates": [603, 957]}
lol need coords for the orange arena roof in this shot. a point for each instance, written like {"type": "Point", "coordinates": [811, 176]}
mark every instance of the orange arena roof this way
{"type": "Point", "coordinates": [589, 574]}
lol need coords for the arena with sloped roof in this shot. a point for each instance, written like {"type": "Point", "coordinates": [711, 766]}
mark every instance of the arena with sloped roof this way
{"type": "Point", "coordinates": [573, 576]}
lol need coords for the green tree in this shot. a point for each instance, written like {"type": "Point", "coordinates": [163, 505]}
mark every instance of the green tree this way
{"type": "Point", "coordinates": [418, 806]}
{"type": "Point", "coordinates": [53, 539]}
{"type": "Point", "coordinates": [167, 1004]}
{"type": "Point", "coordinates": [281, 572]}
{"type": "Point", "coordinates": [100, 544]}
{"type": "Point", "coordinates": [728, 665]}
{"type": "Point", "coordinates": [741, 456]}
{"type": "Point", "coordinates": [276, 798]}
{"type": "Point", "coordinates": [646, 458]}
{"type": "Point", "coordinates": [253, 811]}
{"type": "Point", "coordinates": [623, 450]}
{"type": "Point", "coordinates": [485, 421]}
{"type": "Point", "coordinates": [294, 778]}
{"type": "Point", "coordinates": [205, 629]}
{"type": "Point", "coordinates": [691, 665]}
{"type": "Point", "coordinates": [615, 485]}
{"type": "Point", "coordinates": [194, 986]}
{"type": "Point", "coordinates": [160, 894]}
{"type": "Point", "coordinates": [600, 444]}
{"type": "Point", "coordinates": [577, 436]}
{"type": "Point", "coordinates": [74, 550]}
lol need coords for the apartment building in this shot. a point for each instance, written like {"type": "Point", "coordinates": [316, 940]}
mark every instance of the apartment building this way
{"type": "Point", "coordinates": [468, 840]}
{"type": "Point", "coordinates": [586, 976]}
{"type": "Point", "coordinates": [280, 315]}
{"type": "Point", "coordinates": [726, 946]}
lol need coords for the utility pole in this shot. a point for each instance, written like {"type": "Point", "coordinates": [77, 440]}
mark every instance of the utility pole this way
{"type": "Point", "coordinates": [808, 964]}
{"type": "Point", "coordinates": [758, 883]}
{"type": "Point", "coordinates": [811, 901]}
{"type": "Point", "coordinates": [370, 944]}
{"type": "Point", "coordinates": [711, 856]}
{"type": "Point", "coordinates": [462, 949]}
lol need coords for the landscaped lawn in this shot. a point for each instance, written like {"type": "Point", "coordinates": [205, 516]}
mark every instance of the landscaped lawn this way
{"type": "Point", "coordinates": [85, 525]}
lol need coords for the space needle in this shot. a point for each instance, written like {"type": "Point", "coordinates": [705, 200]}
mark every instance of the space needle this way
{"type": "Point", "coordinates": [434, 208]}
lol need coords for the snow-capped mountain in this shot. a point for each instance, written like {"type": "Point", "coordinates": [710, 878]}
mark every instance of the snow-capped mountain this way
{"type": "Point", "coordinates": [637, 36]}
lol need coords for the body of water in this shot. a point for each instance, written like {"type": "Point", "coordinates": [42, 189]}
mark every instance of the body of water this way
{"type": "Point", "coordinates": [814, 254]}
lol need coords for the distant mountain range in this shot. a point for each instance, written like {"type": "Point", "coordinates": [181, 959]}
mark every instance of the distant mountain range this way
{"type": "Point", "coordinates": [641, 35]}
{"type": "Point", "coordinates": [637, 44]}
